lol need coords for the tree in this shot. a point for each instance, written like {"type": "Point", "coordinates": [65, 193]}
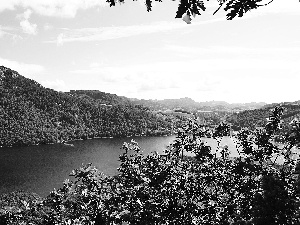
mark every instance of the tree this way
{"type": "Point", "coordinates": [188, 8]}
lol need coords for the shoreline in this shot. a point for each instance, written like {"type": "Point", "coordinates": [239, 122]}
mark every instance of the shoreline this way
{"type": "Point", "coordinates": [80, 139]}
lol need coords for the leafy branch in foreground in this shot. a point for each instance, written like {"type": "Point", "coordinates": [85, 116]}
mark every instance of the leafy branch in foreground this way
{"type": "Point", "coordinates": [210, 187]}
{"type": "Point", "coordinates": [190, 8]}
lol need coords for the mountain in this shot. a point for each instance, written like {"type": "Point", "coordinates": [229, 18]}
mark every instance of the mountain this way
{"type": "Point", "coordinates": [191, 105]}
{"type": "Point", "coordinates": [247, 106]}
{"type": "Point", "coordinates": [184, 103]}
{"type": "Point", "coordinates": [31, 114]}
{"type": "Point", "coordinates": [281, 103]}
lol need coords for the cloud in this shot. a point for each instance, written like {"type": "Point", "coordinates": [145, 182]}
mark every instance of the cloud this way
{"type": "Point", "coordinates": [60, 39]}
{"type": "Point", "coordinates": [48, 26]}
{"type": "Point", "coordinates": [17, 38]}
{"type": "Point", "coordinates": [27, 14]}
{"type": "Point", "coordinates": [8, 4]}
{"type": "Point", "coordinates": [232, 51]}
{"type": "Point", "coordinates": [110, 33]}
{"type": "Point", "coordinates": [2, 33]}
{"type": "Point", "coordinates": [286, 6]}
{"type": "Point", "coordinates": [6, 31]}
{"type": "Point", "coordinates": [27, 27]}
{"type": "Point", "coordinates": [25, 69]}
{"type": "Point", "coordinates": [55, 8]}
{"type": "Point", "coordinates": [10, 32]}
{"type": "Point", "coordinates": [95, 64]}
{"type": "Point", "coordinates": [216, 73]}
{"type": "Point", "coordinates": [152, 80]}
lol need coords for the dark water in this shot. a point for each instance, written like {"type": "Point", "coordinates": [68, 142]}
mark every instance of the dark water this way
{"type": "Point", "coordinates": [39, 169]}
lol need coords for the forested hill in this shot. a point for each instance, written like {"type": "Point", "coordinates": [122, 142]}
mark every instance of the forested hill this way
{"type": "Point", "coordinates": [102, 97]}
{"type": "Point", "coordinates": [31, 114]}
{"type": "Point", "coordinates": [258, 117]}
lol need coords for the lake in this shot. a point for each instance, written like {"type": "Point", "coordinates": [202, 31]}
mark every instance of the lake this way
{"type": "Point", "coordinates": [41, 168]}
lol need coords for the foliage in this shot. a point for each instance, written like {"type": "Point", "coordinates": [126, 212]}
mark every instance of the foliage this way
{"type": "Point", "coordinates": [20, 207]}
{"type": "Point", "coordinates": [233, 8]}
{"type": "Point", "coordinates": [258, 117]}
{"type": "Point", "coordinates": [102, 97]}
{"type": "Point", "coordinates": [210, 187]}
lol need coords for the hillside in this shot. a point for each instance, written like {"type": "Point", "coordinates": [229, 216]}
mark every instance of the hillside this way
{"type": "Point", "coordinates": [31, 114]}
{"type": "Point", "coordinates": [258, 117]}
{"type": "Point", "coordinates": [102, 97]}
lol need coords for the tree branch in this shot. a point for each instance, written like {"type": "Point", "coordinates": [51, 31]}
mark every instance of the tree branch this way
{"type": "Point", "coordinates": [219, 7]}
{"type": "Point", "coordinates": [267, 3]}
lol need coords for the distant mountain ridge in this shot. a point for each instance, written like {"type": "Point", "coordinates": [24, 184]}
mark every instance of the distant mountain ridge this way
{"type": "Point", "coordinates": [189, 104]}
{"type": "Point", "coordinates": [184, 103]}
{"type": "Point", "coordinates": [281, 103]}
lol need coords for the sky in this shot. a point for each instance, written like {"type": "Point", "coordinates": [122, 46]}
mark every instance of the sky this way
{"type": "Point", "coordinates": [125, 50]}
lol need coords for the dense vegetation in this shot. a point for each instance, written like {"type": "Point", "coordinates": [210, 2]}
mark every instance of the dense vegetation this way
{"type": "Point", "coordinates": [259, 187]}
{"type": "Point", "coordinates": [31, 114]}
{"type": "Point", "coordinates": [258, 117]}
{"type": "Point", "coordinates": [102, 97]}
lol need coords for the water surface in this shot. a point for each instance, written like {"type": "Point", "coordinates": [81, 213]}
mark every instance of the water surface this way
{"type": "Point", "coordinates": [41, 168]}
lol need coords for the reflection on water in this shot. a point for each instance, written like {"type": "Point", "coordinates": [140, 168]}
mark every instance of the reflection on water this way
{"type": "Point", "coordinates": [41, 168]}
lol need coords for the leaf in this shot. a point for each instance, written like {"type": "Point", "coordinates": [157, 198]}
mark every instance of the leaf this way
{"type": "Point", "coordinates": [239, 8]}
{"type": "Point", "coordinates": [186, 8]}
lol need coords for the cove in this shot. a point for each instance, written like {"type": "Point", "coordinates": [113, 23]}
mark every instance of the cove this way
{"type": "Point", "coordinates": [42, 168]}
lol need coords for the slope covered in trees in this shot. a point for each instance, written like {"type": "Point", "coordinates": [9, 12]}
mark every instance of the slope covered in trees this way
{"type": "Point", "coordinates": [258, 117]}
{"type": "Point", "coordinates": [31, 114]}
{"type": "Point", "coordinates": [102, 97]}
